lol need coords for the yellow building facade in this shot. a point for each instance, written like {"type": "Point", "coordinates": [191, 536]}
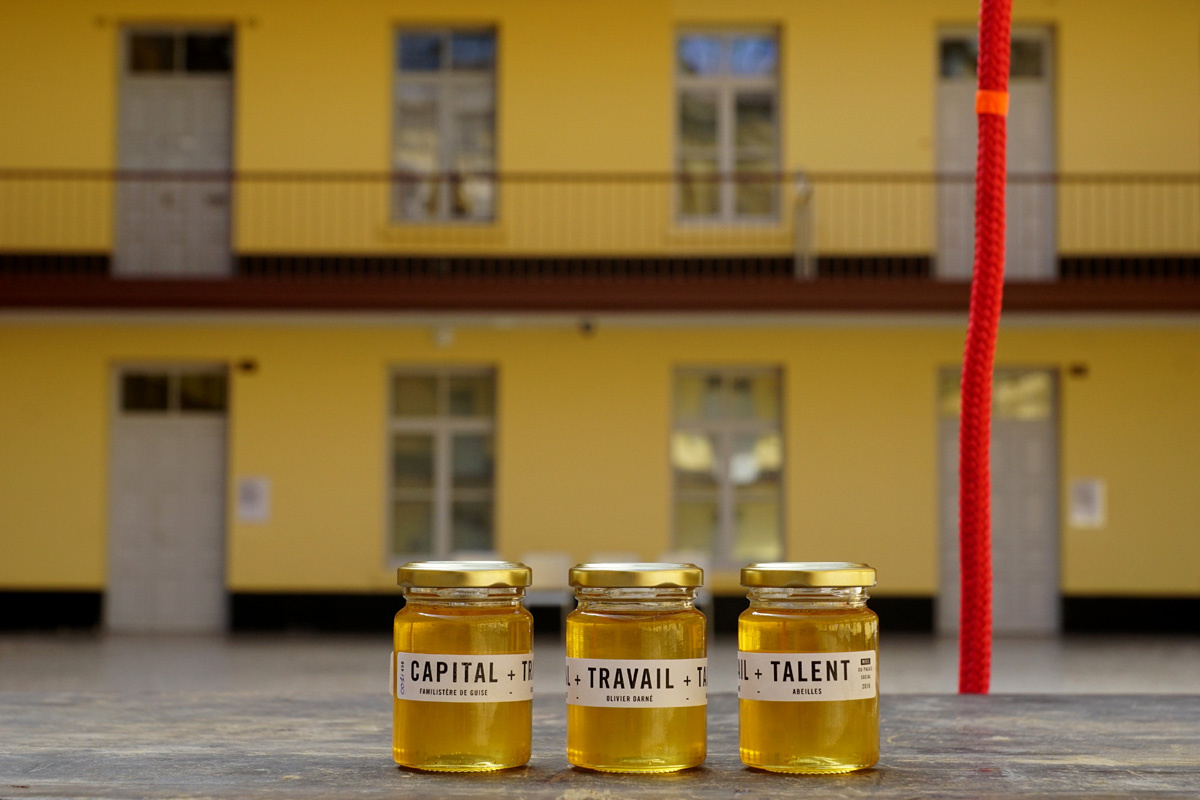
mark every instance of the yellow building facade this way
{"type": "Point", "coordinates": [585, 426]}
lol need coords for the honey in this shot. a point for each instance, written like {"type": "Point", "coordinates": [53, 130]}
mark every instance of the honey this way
{"type": "Point", "coordinates": [637, 669]}
{"type": "Point", "coordinates": [462, 667]}
{"type": "Point", "coordinates": [808, 654]}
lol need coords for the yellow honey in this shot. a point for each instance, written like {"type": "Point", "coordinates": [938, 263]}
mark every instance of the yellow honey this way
{"type": "Point", "coordinates": [808, 655]}
{"type": "Point", "coordinates": [462, 667]}
{"type": "Point", "coordinates": [637, 669]}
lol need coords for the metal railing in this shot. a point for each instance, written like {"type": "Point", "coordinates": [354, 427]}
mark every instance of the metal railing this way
{"type": "Point", "coordinates": [807, 225]}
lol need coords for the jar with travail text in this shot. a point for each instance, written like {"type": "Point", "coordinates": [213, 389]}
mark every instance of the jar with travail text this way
{"type": "Point", "coordinates": [462, 667]}
{"type": "Point", "coordinates": [808, 661]}
{"type": "Point", "coordinates": [637, 668]}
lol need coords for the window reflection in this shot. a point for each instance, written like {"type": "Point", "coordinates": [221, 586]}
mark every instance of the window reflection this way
{"type": "Point", "coordinates": [699, 55]}
{"type": "Point", "coordinates": [1017, 395]}
{"type": "Point", "coordinates": [445, 118]}
{"type": "Point", "coordinates": [753, 55]}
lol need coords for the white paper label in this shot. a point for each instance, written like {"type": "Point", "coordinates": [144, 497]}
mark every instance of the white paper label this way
{"type": "Point", "coordinates": [806, 676]}
{"type": "Point", "coordinates": [637, 682]}
{"type": "Point", "coordinates": [449, 678]}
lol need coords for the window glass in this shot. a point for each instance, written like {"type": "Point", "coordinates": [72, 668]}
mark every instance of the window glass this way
{"type": "Point", "coordinates": [756, 190]}
{"type": "Point", "coordinates": [694, 458]}
{"type": "Point", "coordinates": [755, 120]}
{"type": "Point", "coordinates": [756, 460]}
{"type": "Point", "coordinates": [208, 52]}
{"type": "Point", "coordinates": [1019, 395]}
{"type": "Point", "coordinates": [412, 526]}
{"type": "Point", "coordinates": [473, 50]}
{"type": "Point", "coordinates": [699, 188]}
{"type": "Point", "coordinates": [472, 461]}
{"type": "Point", "coordinates": [754, 396]}
{"type": "Point", "coordinates": [412, 461]}
{"type": "Point", "coordinates": [416, 140]}
{"type": "Point", "coordinates": [699, 54]}
{"type": "Point", "coordinates": [472, 395]}
{"type": "Point", "coordinates": [472, 525]}
{"type": "Point", "coordinates": [698, 120]}
{"type": "Point", "coordinates": [1023, 395]}
{"type": "Point", "coordinates": [203, 392]}
{"type": "Point", "coordinates": [474, 120]}
{"type": "Point", "coordinates": [696, 524]}
{"type": "Point", "coordinates": [145, 391]}
{"type": "Point", "coordinates": [757, 529]}
{"type": "Point", "coordinates": [151, 52]}
{"type": "Point", "coordinates": [959, 57]}
{"type": "Point", "coordinates": [753, 55]}
{"type": "Point", "coordinates": [414, 396]}
{"type": "Point", "coordinates": [1027, 59]}
{"type": "Point", "coordinates": [421, 52]}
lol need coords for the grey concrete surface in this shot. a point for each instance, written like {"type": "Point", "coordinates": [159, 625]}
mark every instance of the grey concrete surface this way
{"type": "Point", "coordinates": [340, 664]}
{"type": "Point", "coordinates": [205, 746]}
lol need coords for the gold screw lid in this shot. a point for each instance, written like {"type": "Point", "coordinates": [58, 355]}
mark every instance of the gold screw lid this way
{"type": "Point", "coordinates": [803, 574]}
{"type": "Point", "coordinates": [636, 575]}
{"type": "Point", "coordinates": [463, 574]}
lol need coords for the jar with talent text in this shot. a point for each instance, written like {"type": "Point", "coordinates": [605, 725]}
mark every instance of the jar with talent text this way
{"type": "Point", "coordinates": [808, 668]}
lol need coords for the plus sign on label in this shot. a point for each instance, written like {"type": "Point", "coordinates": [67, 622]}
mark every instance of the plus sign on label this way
{"type": "Point", "coordinates": [637, 682]}
{"type": "Point", "coordinates": [451, 678]}
{"type": "Point", "coordinates": [807, 677]}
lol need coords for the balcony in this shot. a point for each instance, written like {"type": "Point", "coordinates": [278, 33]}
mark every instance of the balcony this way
{"type": "Point", "coordinates": [589, 242]}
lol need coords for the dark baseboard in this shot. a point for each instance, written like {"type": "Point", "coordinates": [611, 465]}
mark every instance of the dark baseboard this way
{"type": "Point", "coordinates": [326, 613]}
{"type": "Point", "coordinates": [1131, 615]}
{"type": "Point", "coordinates": [253, 611]}
{"type": "Point", "coordinates": [50, 611]}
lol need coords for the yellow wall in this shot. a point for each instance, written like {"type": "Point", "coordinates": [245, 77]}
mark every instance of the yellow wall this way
{"type": "Point", "coordinates": [582, 86]}
{"type": "Point", "coordinates": [583, 426]}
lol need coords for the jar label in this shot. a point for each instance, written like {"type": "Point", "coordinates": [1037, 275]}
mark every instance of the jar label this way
{"type": "Point", "coordinates": [637, 682]}
{"type": "Point", "coordinates": [452, 678]}
{"type": "Point", "coordinates": [807, 676]}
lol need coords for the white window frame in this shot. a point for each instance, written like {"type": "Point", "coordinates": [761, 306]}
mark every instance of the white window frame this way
{"type": "Point", "coordinates": [442, 428]}
{"type": "Point", "coordinates": [726, 86]}
{"type": "Point", "coordinates": [723, 431]}
{"type": "Point", "coordinates": [447, 84]}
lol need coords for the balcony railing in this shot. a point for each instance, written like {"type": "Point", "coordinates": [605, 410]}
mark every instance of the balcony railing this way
{"type": "Point", "coordinates": [808, 226]}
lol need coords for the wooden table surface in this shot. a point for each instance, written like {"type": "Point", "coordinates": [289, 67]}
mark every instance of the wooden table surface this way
{"type": "Point", "coordinates": [257, 746]}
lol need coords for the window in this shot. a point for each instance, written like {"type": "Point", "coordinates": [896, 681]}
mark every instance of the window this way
{"type": "Point", "coordinates": [445, 125]}
{"type": "Point", "coordinates": [442, 461]}
{"type": "Point", "coordinates": [167, 391]}
{"type": "Point", "coordinates": [959, 57]}
{"type": "Point", "coordinates": [159, 52]}
{"type": "Point", "coordinates": [728, 125]}
{"type": "Point", "coordinates": [727, 460]}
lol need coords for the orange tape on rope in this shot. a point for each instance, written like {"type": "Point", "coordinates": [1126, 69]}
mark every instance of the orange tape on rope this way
{"type": "Point", "coordinates": [991, 102]}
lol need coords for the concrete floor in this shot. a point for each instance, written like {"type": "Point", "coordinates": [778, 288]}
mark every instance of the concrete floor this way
{"type": "Point", "coordinates": [328, 664]}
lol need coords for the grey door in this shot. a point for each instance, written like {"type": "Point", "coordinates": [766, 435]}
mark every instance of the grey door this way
{"type": "Point", "coordinates": [1030, 246]}
{"type": "Point", "coordinates": [166, 565]}
{"type": "Point", "coordinates": [1025, 491]}
{"type": "Point", "coordinates": [174, 153]}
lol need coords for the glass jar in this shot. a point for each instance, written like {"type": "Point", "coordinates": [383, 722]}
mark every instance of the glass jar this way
{"type": "Point", "coordinates": [462, 669]}
{"type": "Point", "coordinates": [637, 669]}
{"type": "Point", "coordinates": [808, 655]}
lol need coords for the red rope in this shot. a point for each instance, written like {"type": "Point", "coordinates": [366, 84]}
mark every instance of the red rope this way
{"type": "Point", "coordinates": [975, 489]}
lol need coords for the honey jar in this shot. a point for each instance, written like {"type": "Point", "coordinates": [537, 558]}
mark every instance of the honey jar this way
{"type": "Point", "coordinates": [637, 668]}
{"type": "Point", "coordinates": [808, 656]}
{"type": "Point", "coordinates": [462, 667]}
